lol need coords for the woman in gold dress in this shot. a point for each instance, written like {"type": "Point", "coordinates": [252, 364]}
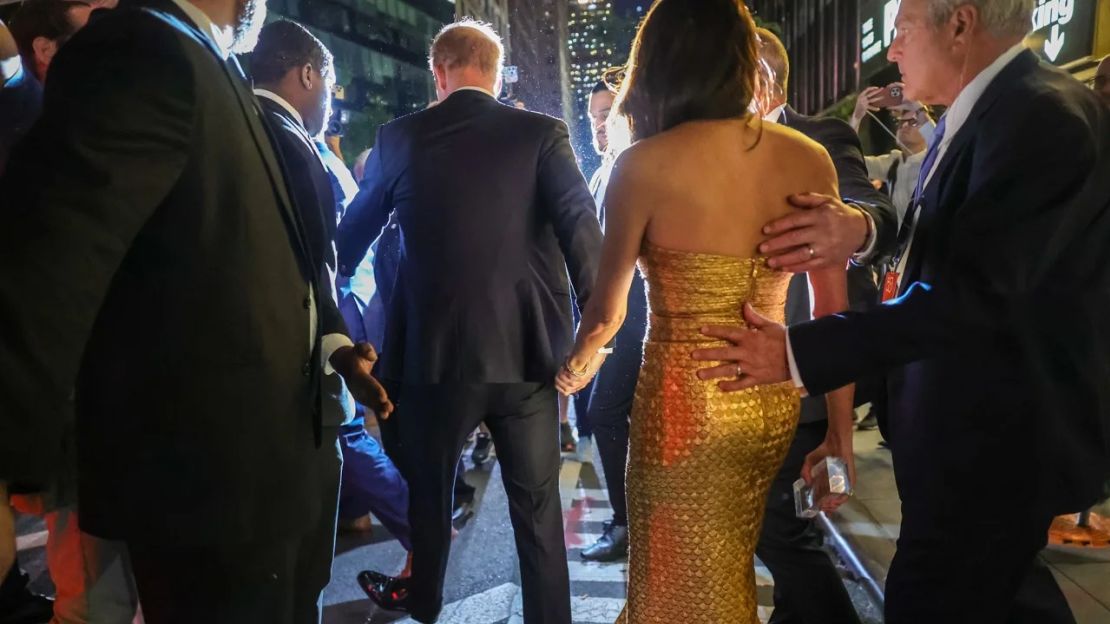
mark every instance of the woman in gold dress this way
{"type": "Point", "coordinates": [687, 201]}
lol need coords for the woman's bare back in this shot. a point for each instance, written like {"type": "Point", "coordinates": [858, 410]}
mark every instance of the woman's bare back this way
{"type": "Point", "coordinates": [711, 186]}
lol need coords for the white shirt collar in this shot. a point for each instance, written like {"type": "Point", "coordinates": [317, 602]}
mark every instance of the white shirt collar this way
{"type": "Point", "coordinates": [282, 102]}
{"type": "Point", "coordinates": [967, 99]}
{"type": "Point", "coordinates": [223, 38]}
{"type": "Point", "coordinates": [776, 114]}
{"type": "Point", "coordinates": [478, 89]}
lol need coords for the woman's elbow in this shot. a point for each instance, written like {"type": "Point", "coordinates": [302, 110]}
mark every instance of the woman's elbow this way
{"type": "Point", "coordinates": [610, 322]}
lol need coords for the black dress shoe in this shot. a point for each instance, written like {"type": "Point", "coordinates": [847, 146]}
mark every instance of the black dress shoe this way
{"type": "Point", "coordinates": [611, 546]}
{"type": "Point", "coordinates": [389, 593]}
{"type": "Point", "coordinates": [482, 445]}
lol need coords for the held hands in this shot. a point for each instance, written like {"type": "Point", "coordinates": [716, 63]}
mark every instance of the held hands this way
{"type": "Point", "coordinates": [758, 357]}
{"type": "Point", "coordinates": [833, 446]}
{"type": "Point", "coordinates": [569, 384]}
{"type": "Point", "coordinates": [356, 364]}
{"type": "Point", "coordinates": [825, 233]}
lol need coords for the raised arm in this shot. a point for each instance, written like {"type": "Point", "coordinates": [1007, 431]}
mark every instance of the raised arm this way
{"type": "Point", "coordinates": [626, 222]}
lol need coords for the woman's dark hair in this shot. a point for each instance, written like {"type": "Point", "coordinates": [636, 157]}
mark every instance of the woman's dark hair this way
{"type": "Point", "coordinates": [692, 59]}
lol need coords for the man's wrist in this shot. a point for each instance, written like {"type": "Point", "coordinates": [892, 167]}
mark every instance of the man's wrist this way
{"type": "Point", "coordinates": [865, 251]}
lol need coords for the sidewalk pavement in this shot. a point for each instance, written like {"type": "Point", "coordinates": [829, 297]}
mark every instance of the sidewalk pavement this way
{"type": "Point", "coordinates": [869, 525]}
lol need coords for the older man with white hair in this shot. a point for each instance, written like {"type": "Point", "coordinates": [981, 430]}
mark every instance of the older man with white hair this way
{"type": "Point", "coordinates": [993, 339]}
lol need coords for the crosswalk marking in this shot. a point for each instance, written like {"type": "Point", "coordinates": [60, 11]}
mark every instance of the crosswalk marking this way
{"type": "Point", "coordinates": [585, 508]}
{"type": "Point", "coordinates": [31, 541]}
{"type": "Point", "coordinates": [489, 607]}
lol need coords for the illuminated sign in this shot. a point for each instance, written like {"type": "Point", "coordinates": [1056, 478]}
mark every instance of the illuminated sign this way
{"type": "Point", "coordinates": [1063, 30]}
{"type": "Point", "coordinates": [876, 32]}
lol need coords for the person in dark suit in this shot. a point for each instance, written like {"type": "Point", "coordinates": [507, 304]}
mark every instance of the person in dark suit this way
{"type": "Point", "coordinates": [294, 75]}
{"type": "Point", "coordinates": [160, 299]}
{"type": "Point", "coordinates": [997, 356]}
{"type": "Point", "coordinates": [808, 587]}
{"type": "Point", "coordinates": [493, 214]}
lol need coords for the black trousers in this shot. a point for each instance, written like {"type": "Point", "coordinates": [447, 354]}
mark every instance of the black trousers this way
{"type": "Point", "coordinates": [967, 567]}
{"type": "Point", "coordinates": [612, 395]}
{"type": "Point", "coordinates": [314, 558]}
{"type": "Point", "coordinates": [433, 422]}
{"type": "Point", "coordinates": [808, 589]}
{"type": "Point", "coordinates": [228, 584]}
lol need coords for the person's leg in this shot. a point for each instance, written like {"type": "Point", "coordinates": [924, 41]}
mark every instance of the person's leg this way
{"type": "Point", "coordinates": [372, 483]}
{"type": "Point", "coordinates": [582, 422]}
{"type": "Point", "coordinates": [92, 577]}
{"type": "Point", "coordinates": [966, 565]}
{"type": "Point", "coordinates": [314, 559]}
{"type": "Point", "coordinates": [523, 423]}
{"type": "Point", "coordinates": [610, 408]}
{"type": "Point", "coordinates": [232, 584]}
{"type": "Point", "coordinates": [1039, 599]}
{"type": "Point", "coordinates": [433, 423]}
{"type": "Point", "coordinates": [808, 589]}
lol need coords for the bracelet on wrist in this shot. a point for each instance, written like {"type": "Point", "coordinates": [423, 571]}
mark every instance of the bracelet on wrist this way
{"type": "Point", "coordinates": [576, 373]}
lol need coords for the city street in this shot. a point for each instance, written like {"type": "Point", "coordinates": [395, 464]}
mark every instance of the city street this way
{"type": "Point", "coordinates": [482, 579]}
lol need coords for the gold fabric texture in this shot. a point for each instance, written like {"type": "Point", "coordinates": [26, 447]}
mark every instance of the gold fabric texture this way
{"type": "Point", "coordinates": [701, 461]}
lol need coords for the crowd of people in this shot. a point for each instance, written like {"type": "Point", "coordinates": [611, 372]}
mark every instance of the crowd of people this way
{"type": "Point", "coordinates": [206, 313]}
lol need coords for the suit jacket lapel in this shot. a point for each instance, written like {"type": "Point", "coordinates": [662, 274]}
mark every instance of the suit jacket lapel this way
{"type": "Point", "coordinates": [937, 190]}
{"type": "Point", "coordinates": [267, 147]}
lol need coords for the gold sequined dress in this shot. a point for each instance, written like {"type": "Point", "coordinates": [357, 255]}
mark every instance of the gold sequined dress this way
{"type": "Point", "coordinates": [700, 460]}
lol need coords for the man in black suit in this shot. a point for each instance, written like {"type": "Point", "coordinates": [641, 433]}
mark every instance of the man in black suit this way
{"type": "Point", "coordinates": [493, 212]}
{"type": "Point", "coordinates": [159, 299]}
{"type": "Point", "coordinates": [808, 587]}
{"type": "Point", "coordinates": [294, 75]}
{"type": "Point", "coordinates": [997, 355]}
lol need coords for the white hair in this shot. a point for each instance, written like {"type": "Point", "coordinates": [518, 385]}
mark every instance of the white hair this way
{"type": "Point", "coordinates": [1001, 17]}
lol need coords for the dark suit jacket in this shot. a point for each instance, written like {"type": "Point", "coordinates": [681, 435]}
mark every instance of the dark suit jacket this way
{"type": "Point", "coordinates": [999, 350]}
{"type": "Point", "coordinates": [493, 211]}
{"type": "Point", "coordinates": [310, 187]}
{"type": "Point", "coordinates": [842, 144]}
{"type": "Point", "coordinates": [154, 280]}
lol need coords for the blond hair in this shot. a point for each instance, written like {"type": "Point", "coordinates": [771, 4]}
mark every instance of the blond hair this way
{"type": "Point", "coordinates": [468, 43]}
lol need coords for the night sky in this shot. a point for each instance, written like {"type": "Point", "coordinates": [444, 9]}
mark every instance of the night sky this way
{"type": "Point", "coordinates": [629, 5]}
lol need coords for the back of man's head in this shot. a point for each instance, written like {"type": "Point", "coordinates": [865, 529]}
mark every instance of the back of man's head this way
{"type": "Point", "coordinates": [41, 27]}
{"type": "Point", "coordinates": [775, 57]}
{"type": "Point", "coordinates": [468, 47]}
{"type": "Point", "coordinates": [284, 46]}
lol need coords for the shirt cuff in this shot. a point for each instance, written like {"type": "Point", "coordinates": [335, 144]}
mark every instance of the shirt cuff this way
{"type": "Point", "coordinates": [864, 255]}
{"type": "Point", "coordinates": [329, 345]}
{"type": "Point", "coordinates": [795, 375]}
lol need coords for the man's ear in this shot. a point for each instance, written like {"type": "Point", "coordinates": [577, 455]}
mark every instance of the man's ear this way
{"type": "Point", "coordinates": [307, 76]}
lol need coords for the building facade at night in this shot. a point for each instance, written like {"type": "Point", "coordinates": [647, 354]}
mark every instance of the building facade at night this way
{"type": "Point", "coordinates": [539, 44]}
{"type": "Point", "coordinates": [590, 39]}
{"type": "Point", "coordinates": [381, 49]}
